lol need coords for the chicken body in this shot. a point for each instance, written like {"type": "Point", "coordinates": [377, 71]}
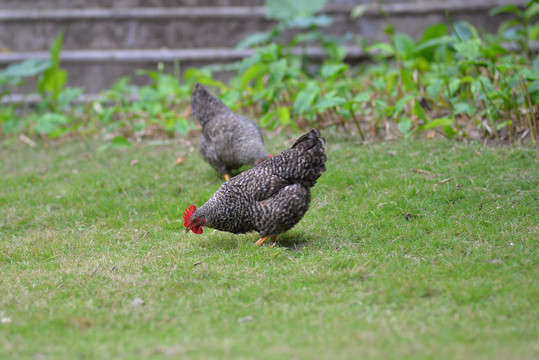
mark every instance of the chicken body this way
{"type": "Point", "coordinates": [270, 198]}
{"type": "Point", "coordinates": [228, 140]}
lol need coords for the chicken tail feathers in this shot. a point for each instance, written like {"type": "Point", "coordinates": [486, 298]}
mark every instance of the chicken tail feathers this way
{"type": "Point", "coordinates": [205, 106]}
{"type": "Point", "coordinates": [310, 158]}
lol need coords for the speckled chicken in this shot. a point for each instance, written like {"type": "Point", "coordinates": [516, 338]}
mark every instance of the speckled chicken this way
{"type": "Point", "coordinates": [270, 198]}
{"type": "Point", "coordinates": [228, 140]}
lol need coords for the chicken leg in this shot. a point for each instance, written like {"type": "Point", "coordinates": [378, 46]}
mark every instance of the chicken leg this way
{"type": "Point", "coordinates": [227, 177]}
{"type": "Point", "coordinates": [261, 240]}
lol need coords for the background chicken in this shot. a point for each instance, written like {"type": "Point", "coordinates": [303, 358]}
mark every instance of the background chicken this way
{"type": "Point", "coordinates": [270, 198]}
{"type": "Point", "coordinates": [228, 140]}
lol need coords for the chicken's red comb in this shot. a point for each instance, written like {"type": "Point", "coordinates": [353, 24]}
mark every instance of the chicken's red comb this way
{"type": "Point", "coordinates": [187, 215]}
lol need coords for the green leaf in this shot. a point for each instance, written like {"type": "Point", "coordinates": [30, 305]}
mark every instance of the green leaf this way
{"type": "Point", "coordinates": [444, 121]}
{"type": "Point", "coordinates": [266, 119]}
{"type": "Point", "coordinates": [286, 9]}
{"type": "Point", "coordinates": [251, 73]}
{"type": "Point", "coordinates": [329, 102]}
{"type": "Point", "coordinates": [404, 44]}
{"type": "Point", "coordinates": [535, 65]}
{"type": "Point", "coordinates": [56, 48]}
{"type": "Point", "coordinates": [464, 108]}
{"type": "Point", "coordinates": [329, 70]}
{"type": "Point", "coordinates": [277, 70]}
{"type": "Point", "coordinates": [362, 97]}
{"type": "Point", "coordinates": [386, 49]}
{"type": "Point", "coordinates": [435, 31]}
{"type": "Point", "coordinates": [465, 31]}
{"type": "Point", "coordinates": [434, 87]}
{"type": "Point", "coordinates": [442, 40]}
{"type": "Point", "coordinates": [405, 123]}
{"type": "Point", "coordinates": [305, 22]}
{"type": "Point", "coordinates": [400, 104]}
{"type": "Point", "coordinates": [506, 9]}
{"type": "Point", "coordinates": [256, 38]}
{"type": "Point", "coordinates": [27, 68]}
{"type": "Point", "coordinates": [407, 80]}
{"type": "Point", "coordinates": [504, 124]}
{"type": "Point", "coordinates": [50, 122]}
{"type": "Point", "coordinates": [531, 11]}
{"type": "Point", "coordinates": [52, 81]}
{"type": "Point", "coordinates": [284, 115]}
{"type": "Point", "coordinates": [533, 87]}
{"type": "Point", "coordinates": [305, 99]}
{"type": "Point", "coordinates": [468, 49]}
{"type": "Point", "coordinates": [120, 142]}
{"type": "Point", "coordinates": [67, 95]}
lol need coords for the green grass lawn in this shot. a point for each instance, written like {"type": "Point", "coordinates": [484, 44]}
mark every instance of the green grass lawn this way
{"type": "Point", "coordinates": [385, 265]}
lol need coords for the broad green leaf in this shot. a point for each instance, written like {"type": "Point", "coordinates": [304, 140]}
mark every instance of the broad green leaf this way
{"type": "Point", "coordinates": [120, 142]}
{"type": "Point", "coordinates": [56, 48]}
{"type": "Point", "coordinates": [434, 87]}
{"type": "Point", "coordinates": [465, 31]}
{"type": "Point", "coordinates": [27, 68]}
{"type": "Point", "coordinates": [400, 104]}
{"type": "Point", "coordinates": [329, 102]}
{"type": "Point", "coordinates": [435, 31]}
{"type": "Point", "coordinates": [67, 95]}
{"type": "Point", "coordinates": [506, 9]}
{"type": "Point", "coordinates": [404, 44]}
{"type": "Point", "coordinates": [256, 39]}
{"type": "Point", "coordinates": [504, 124]}
{"type": "Point", "coordinates": [362, 97]}
{"type": "Point", "coordinates": [277, 70]}
{"type": "Point", "coordinates": [328, 70]}
{"type": "Point", "coordinates": [251, 73]}
{"type": "Point", "coordinates": [533, 87]}
{"type": "Point", "coordinates": [464, 108]}
{"type": "Point", "coordinates": [305, 22]}
{"type": "Point", "coordinates": [531, 11]}
{"type": "Point", "coordinates": [50, 122]}
{"type": "Point", "coordinates": [444, 121]}
{"type": "Point", "coordinates": [284, 115]}
{"type": "Point", "coordinates": [305, 99]}
{"type": "Point", "coordinates": [405, 123]}
{"type": "Point", "coordinates": [383, 47]}
{"type": "Point", "coordinates": [408, 80]}
{"type": "Point", "coordinates": [442, 40]}
{"type": "Point", "coordinates": [535, 65]}
{"type": "Point", "coordinates": [469, 49]}
{"type": "Point", "coordinates": [286, 9]}
{"type": "Point", "coordinates": [52, 81]}
{"type": "Point", "coordinates": [266, 119]}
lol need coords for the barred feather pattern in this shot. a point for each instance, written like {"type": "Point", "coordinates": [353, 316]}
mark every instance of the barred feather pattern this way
{"type": "Point", "coordinates": [228, 140]}
{"type": "Point", "coordinates": [273, 196]}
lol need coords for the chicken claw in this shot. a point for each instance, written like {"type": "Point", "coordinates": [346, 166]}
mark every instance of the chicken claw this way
{"type": "Point", "coordinates": [227, 177]}
{"type": "Point", "coordinates": [261, 240]}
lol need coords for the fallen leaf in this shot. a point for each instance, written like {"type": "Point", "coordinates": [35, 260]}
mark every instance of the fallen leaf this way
{"type": "Point", "coordinates": [137, 302]}
{"type": "Point", "coordinates": [431, 134]}
{"type": "Point", "coordinates": [421, 171]}
{"type": "Point", "coordinates": [133, 162]}
{"type": "Point", "coordinates": [246, 318]}
{"type": "Point", "coordinates": [25, 139]}
{"type": "Point", "coordinates": [408, 216]}
{"type": "Point", "coordinates": [495, 261]}
{"type": "Point", "coordinates": [179, 160]}
{"type": "Point", "coordinates": [5, 320]}
{"type": "Point", "coordinates": [444, 181]}
{"type": "Point", "coordinates": [197, 263]}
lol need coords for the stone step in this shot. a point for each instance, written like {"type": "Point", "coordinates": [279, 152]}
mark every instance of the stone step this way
{"type": "Point", "coordinates": [115, 38]}
{"type": "Point", "coordinates": [206, 27]}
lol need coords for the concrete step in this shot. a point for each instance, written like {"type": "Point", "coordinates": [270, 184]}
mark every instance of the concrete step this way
{"type": "Point", "coordinates": [115, 38]}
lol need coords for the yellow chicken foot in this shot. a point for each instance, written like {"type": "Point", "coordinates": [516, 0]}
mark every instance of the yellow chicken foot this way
{"type": "Point", "coordinates": [261, 240]}
{"type": "Point", "coordinates": [227, 177]}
